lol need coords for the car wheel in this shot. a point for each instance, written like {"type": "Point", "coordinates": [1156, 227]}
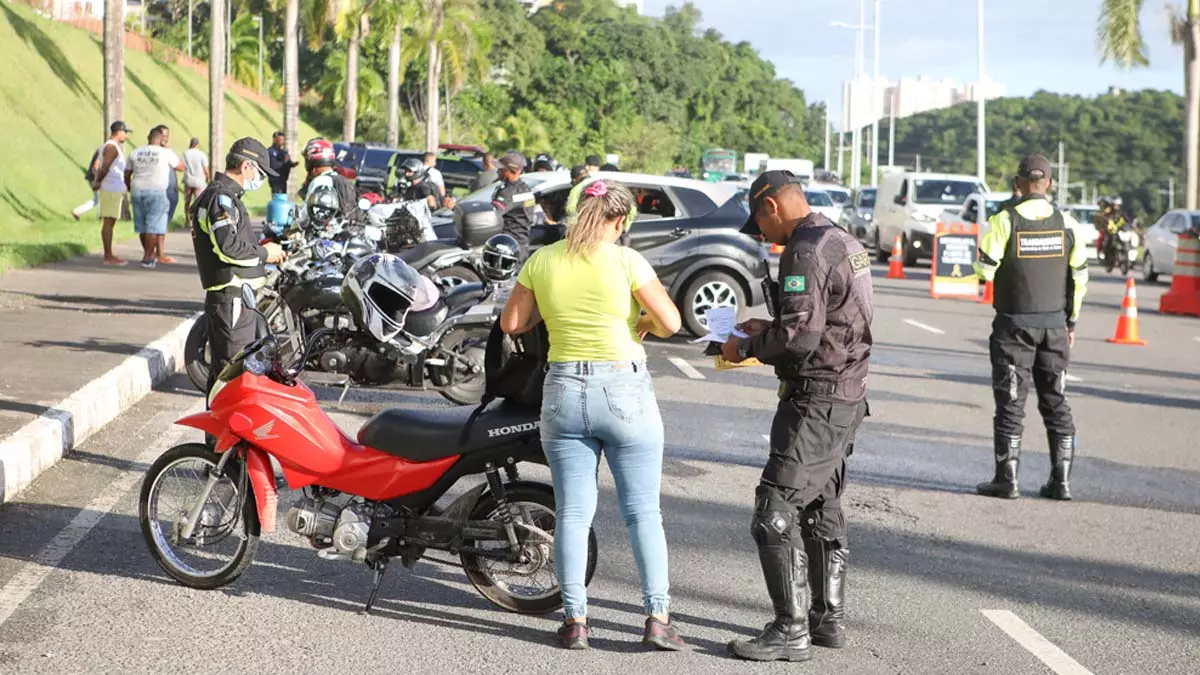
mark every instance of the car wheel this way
{"type": "Point", "coordinates": [709, 290]}
{"type": "Point", "coordinates": [1148, 272]}
{"type": "Point", "coordinates": [910, 253]}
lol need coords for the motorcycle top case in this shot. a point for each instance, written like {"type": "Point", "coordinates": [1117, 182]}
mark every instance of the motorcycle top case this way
{"type": "Point", "coordinates": [475, 223]}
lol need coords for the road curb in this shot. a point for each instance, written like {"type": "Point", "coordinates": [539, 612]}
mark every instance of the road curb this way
{"type": "Point", "coordinates": [35, 447]}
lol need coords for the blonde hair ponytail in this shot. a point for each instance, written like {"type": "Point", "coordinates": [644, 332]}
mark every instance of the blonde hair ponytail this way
{"type": "Point", "coordinates": [602, 203]}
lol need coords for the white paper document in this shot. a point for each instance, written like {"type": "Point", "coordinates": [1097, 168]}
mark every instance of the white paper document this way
{"type": "Point", "coordinates": [722, 323]}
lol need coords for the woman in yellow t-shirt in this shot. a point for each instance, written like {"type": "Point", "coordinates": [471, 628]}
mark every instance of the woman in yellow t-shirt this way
{"type": "Point", "coordinates": [598, 397]}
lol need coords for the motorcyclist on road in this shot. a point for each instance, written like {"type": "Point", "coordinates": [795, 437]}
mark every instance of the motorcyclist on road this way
{"type": "Point", "coordinates": [413, 184]}
{"type": "Point", "coordinates": [319, 160]}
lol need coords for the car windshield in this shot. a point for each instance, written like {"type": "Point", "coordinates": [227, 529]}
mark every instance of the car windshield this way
{"type": "Point", "coordinates": [866, 199]}
{"type": "Point", "coordinates": [935, 191]}
{"type": "Point", "coordinates": [377, 159]}
{"type": "Point", "coordinates": [818, 198]}
{"type": "Point", "coordinates": [839, 197]}
{"type": "Point", "coordinates": [484, 194]}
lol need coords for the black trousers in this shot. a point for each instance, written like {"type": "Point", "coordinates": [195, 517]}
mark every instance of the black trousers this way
{"type": "Point", "coordinates": [231, 328]}
{"type": "Point", "coordinates": [1020, 355]}
{"type": "Point", "coordinates": [805, 476]}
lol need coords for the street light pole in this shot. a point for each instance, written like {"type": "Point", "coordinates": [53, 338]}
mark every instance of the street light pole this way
{"type": "Point", "coordinates": [260, 54]}
{"type": "Point", "coordinates": [826, 165]}
{"type": "Point", "coordinates": [981, 92]}
{"type": "Point", "coordinates": [190, 3]}
{"type": "Point", "coordinates": [875, 111]}
{"type": "Point", "coordinates": [859, 47]}
{"type": "Point", "coordinates": [228, 38]}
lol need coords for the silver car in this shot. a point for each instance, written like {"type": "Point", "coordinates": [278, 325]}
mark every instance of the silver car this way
{"type": "Point", "coordinates": [858, 218]}
{"type": "Point", "coordinates": [1162, 239]}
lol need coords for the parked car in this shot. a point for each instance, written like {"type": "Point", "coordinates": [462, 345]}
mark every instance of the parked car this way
{"type": "Point", "coordinates": [1086, 214]}
{"type": "Point", "coordinates": [1161, 240]}
{"type": "Point", "coordinates": [908, 205]}
{"type": "Point", "coordinates": [459, 172]}
{"type": "Point", "coordinates": [687, 230]}
{"type": "Point", "coordinates": [858, 216]}
{"type": "Point", "coordinates": [840, 195]}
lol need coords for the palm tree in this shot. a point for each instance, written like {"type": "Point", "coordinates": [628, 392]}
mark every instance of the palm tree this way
{"type": "Point", "coordinates": [216, 85]}
{"type": "Point", "coordinates": [1120, 37]}
{"type": "Point", "coordinates": [244, 65]}
{"type": "Point", "coordinates": [332, 85]}
{"type": "Point", "coordinates": [395, 15]}
{"type": "Point", "coordinates": [448, 35]}
{"type": "Point", "coordinates": [114, 62]}
{"type": "Point", "coordinates": [352, 24]}
{"type": "Point", "coordinates": [291, 80]}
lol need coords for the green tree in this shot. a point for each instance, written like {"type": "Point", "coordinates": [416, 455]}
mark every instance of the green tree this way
{"type": "Point", "coordinates": [1120, 38]}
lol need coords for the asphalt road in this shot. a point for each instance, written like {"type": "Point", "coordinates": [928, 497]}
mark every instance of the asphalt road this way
{"type": "Point", "coordinates": [940, 580]}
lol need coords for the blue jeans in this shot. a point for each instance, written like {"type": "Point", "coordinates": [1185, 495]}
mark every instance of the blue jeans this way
{"type": "Point", "coordinates": [150, 209]}
{"type": "Point", "coordinates": [609, 407]}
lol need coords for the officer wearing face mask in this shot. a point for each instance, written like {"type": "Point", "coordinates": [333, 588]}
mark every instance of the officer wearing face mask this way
{"type": "Point", "coordinates": [227, 250]}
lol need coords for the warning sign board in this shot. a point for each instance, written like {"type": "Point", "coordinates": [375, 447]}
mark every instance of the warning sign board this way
{"type": "Point", "coordinates": [955, 248]}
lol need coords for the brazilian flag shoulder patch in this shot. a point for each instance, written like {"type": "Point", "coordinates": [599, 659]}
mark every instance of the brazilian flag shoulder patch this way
{"type": "Point", "coordinates": [795, 284]}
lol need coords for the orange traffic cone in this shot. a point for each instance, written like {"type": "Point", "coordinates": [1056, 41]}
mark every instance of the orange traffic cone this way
{"type": "Point", "coordinates": [1127, 323]}
{"type": "Point", "coordinates": [988, 294]}
{"type": "Point", "coordinates": [896, 265]}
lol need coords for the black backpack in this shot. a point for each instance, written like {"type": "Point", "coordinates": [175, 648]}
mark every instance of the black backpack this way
{"type": "Point", "coordinates": [90, 174]}
{"type": "Point", "coordinates": [515, 366]}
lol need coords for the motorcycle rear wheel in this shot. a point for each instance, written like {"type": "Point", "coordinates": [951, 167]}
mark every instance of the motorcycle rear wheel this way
{"type": "Point", "coordinates": [468, 388]}
{"type": "Point", "coordinates": [197, 356]}
{"type": "Point", "coordinates": [218, 521]}
{"type": "Point", "coordinates": [534, 502]}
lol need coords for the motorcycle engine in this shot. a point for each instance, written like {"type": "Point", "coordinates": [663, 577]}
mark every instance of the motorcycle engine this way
{"type": "Point", "coordinates": [350, 534]}
{"type": "Point", "coordinates": [330, 524]}
{"type": "Point", "coordinates": [366, 362]}
{"type": "Point", "coordinates": [314, 518]}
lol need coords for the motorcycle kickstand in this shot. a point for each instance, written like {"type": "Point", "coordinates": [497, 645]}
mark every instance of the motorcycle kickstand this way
{"type": "Point", "coordinates": [380, 567]}
{"type": "Point", "coordinates": [345, 390]}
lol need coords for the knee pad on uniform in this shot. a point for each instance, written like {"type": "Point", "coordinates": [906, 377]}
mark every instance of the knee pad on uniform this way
{"type": "Point", "coordinates": [825, 523]}
{"type": "Point", "coordinates": [774, 518]}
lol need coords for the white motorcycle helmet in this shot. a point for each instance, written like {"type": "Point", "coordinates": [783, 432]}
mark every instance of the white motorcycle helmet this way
{"type": "Point", "coordinates": [380, 290]}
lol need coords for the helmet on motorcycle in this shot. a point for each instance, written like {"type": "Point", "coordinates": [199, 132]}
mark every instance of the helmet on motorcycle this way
{"type": "Point", "coordinates": [543, 162]}
{"type": "Point", "coordinates": [411, 170]}
{"type": "Point", "coordinates": [500, 257]}
{"type": "Point", "coordinates": [381, 289]}
{"type": "Point", "coordinates": [323, 205]}
{"type": "Point", "coordinates": [318, 153]}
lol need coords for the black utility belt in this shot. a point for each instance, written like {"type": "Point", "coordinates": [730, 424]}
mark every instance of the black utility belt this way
{"type": "Point", "coordinates": [792, 388]}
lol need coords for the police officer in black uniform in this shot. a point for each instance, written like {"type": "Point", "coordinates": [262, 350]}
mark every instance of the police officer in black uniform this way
{"type": "Point", "coordinates": [515, 200]}
{"type": "Point", "coordinates": [820, 344]}
{"type": "Point", "coordinates": [1039, 269]}
{"type": "Point", "coordinates": [228, 254]}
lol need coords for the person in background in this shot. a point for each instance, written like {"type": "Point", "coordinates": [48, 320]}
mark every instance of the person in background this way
{"type": "Point", "coordinates": [598, 398]}
{"type": "Point", "coordinates": [196, 175]}
{"type": "Point", "coordinates": [489, 174]}
{"type": "Point", "coordinates": [434, 176]}
{"type": "Point", "coordinates": [172, 181]}
{"type": "Point", "coordinates": [592, 163]}
{"type": "Point", "coordinates": [281, 163]}
{"type": "Point", "coordinates": [319, 160]}
{"type": "Point", "coordinates": [90, 176]}
{"type": "Point", "coordinates": [148, 175]}
{"type": "Point", "coordinates": [610, 167]}
{"type": "Point", "coordinates": [514, 200]}
{"type": "Point", "coordinates": [110, 183]}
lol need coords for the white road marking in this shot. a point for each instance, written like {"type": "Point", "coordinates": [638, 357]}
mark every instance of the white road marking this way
{"type": "Point", "coordinates": [1071, 378]}
{"type": "Point", "coordinates": [33, 573]}
{"type": "Point", "coordinates": [1034, 643]}
{"type": "Point", "coordinates": [922, 326]}
{"type": "Point", "coordinates": [685, 368]}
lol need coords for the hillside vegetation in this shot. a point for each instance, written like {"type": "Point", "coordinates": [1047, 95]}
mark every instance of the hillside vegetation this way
{"type": "Point", "coordinates": [51, 104]}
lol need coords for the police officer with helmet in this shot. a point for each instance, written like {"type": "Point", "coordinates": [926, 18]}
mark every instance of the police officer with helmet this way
{"type": "Point", "coordinates": [228, 254]}
{"type": "Point", "coordinates": [820, 344]}
{"type": "Point", "coordinates": [1039, 268]}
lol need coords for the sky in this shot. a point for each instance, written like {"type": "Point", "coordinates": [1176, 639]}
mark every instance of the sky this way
{"type": "Point", "coordinates": [1028, 44]}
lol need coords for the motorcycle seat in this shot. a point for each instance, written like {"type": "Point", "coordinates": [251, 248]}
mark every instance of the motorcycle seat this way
{"type": "Point", "coordinates": [425, 435]}
{"type": "Point", "coordinates": [422, 255]}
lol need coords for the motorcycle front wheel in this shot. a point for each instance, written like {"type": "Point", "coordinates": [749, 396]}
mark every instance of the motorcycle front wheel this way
{"type": "Point", "coordinates": [529, 587]}
{"type": "Point", "coordinates": [225, 538]}
{"type": "Point", "coordinates": [463, 381]}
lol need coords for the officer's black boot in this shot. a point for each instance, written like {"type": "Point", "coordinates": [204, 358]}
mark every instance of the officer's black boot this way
{"type": "Point", "coordinates": [1008, 457]}
{"type": "Point", "coordinates": [785, 570]}
{"type": "Point", "coordinates": [1062, 452]}
{"type": "Point", "coordinates": [827, 563]}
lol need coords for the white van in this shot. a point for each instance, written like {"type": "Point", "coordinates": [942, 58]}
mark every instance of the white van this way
{"type": "Point", "coordinates": [909, 204]}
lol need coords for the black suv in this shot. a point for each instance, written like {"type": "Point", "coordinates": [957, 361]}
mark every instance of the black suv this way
{"type": "Point", "coordinates": [458, 172]}
{"type": "Point", "coordinates": [686, 229]}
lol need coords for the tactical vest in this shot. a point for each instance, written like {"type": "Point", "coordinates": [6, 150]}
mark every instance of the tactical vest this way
{"type": "Point", "coordinates": [1032, 277]}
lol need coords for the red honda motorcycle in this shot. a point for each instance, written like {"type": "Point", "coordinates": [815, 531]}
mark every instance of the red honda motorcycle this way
{"type": "Point", "coordinates": [369, 500]}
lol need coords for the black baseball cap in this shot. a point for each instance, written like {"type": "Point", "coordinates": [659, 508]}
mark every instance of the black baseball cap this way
{"type": "Point", "coordinates": [578, 171]}
{"type": "Point", "coordinates": [1034, 167]}
{"type": "Point", "coordinates": [249, 149]}
{"type": "Point", "coordinates": [119, 126]}
{"type": "Point", "coordinates": [767, 184]}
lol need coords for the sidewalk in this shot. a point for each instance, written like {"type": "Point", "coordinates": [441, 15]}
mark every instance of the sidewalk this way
{"type": "Point", "coordinates": [80, 342]}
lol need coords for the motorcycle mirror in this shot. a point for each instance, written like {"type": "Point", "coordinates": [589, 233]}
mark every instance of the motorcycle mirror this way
{"type": "Point", "coordinates": [364, 204]}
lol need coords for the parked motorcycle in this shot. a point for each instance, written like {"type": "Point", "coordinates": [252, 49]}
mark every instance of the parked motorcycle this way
{"type": "Point", "coordinates": [368, 500]}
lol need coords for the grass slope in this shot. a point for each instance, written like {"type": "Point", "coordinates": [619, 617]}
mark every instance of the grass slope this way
{"type": "Point", "coordinates": [51, 101]}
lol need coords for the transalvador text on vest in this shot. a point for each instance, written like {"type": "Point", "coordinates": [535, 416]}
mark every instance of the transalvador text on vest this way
{"type": "Point", "coordinates": [1044, 244]}
{"type": "Point", "coordinates": [514, 429]}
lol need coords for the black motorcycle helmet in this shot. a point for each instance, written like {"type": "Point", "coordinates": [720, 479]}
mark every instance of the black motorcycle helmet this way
{"type": "Point", "coordinates": [500, 257]}
{"type": "Point", "coordinates": [323, 206]}
{"type": "Point", "coordinates": [410, 171]}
